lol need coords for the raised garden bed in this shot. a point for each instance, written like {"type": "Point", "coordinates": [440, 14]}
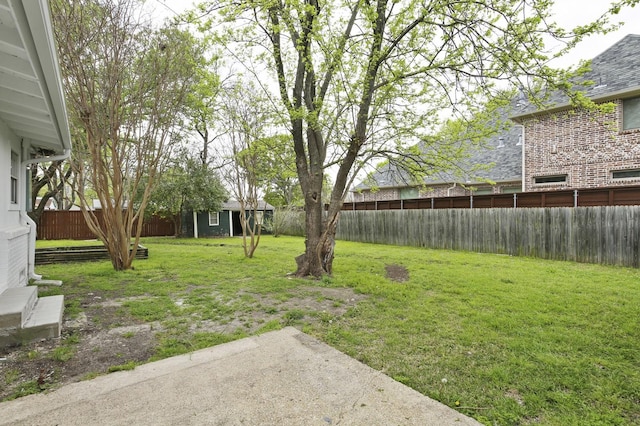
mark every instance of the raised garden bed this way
{"type": "Point", "coordinates": [79, 254]}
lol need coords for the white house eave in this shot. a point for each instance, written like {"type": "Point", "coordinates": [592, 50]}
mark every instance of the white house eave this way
{"type": "Point", "coordinates": [31, 59]}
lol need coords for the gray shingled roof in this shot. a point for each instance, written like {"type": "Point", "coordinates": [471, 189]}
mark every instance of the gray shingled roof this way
{"type": "Point", "coordinates": [502, 152]}
{"type": "Point", "coordinates": [615, 73]}
{"type": "Point", "coordinates": [234, 205]}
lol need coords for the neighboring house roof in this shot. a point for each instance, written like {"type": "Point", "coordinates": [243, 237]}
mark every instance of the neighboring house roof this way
{"type": "Point", "coordinates": [614, 74]}
{"type": "Point", "coordinates": [502, 153]}
{"type": "Point", "coordinates": [234, 205]}
{"type": "Point", "coordinates": [31, 95]}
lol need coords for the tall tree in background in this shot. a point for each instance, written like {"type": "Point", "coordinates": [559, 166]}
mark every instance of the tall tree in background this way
{"type": "Point", "coordinates": [186, 185]}
{"type": "Point", "coordinates": [125, 84]}
{"type": "Point", "coordinates": [243, 114]}
{"type": "Point", "coordinates": [276, 170]}
{"type": "Point", "coordinates": [51, 181]}
{"type": "Point", "coordinates": [359, 78]}
{"type": "Point", "coordinates": [202, 108]}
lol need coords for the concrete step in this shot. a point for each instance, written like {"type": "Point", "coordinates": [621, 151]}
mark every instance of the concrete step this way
{"type": "Point", "coordinates": [15, 306]}
{"type": "Point", "coordinates": [56, 283]}
{"type": "Point", "coordinates": [45, 321]}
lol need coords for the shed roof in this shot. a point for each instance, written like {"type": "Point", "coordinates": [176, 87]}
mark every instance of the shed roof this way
{"type": "Point", "coordinates": [234, 205]}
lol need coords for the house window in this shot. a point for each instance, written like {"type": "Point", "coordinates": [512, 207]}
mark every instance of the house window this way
{"type": "Point", "coordinates": [408, 193]}
{"type": "Point", "coordinates": [625, 174]}
{"type": "Point", "coordinates": [631, 114]}
{"type": "Point", "coordinates": [214, 219]}
{"type": "Point", "coordinates": [483, 191]}
{"type": "Point", "coordinates": [550, 179]}
{"type": "Point", "coordinates": [511, 189]}
{"type": "Point", "coordinates": [259, 217]}
{"type": "Point", "coordinates": [15, 166]}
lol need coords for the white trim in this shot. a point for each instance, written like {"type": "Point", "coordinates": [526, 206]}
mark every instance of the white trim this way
{"type": "Point", "coordinates": [195, 224]}
{"type": "Point", "coordinates": [14, 232]}
{"type": "Point", "coordinates": [45, 63]}
{"type": "Point", "coordinates": [31, 256]}
{"type": "Point", "coordinates": [217, 217]}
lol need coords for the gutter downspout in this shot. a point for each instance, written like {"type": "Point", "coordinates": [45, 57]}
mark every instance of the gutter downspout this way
{"type": "Point", "coordinates": [31, 245]}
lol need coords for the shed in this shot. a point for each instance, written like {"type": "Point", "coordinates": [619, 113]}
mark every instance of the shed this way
{"type": "Point", "coordinates": [224, 223]}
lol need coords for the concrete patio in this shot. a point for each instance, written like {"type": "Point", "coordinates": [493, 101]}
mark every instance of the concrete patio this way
{"type": "Point", "coordinates": [279, 378]}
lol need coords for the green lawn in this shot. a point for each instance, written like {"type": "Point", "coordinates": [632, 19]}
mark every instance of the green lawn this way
{"type": "Point", "coordinates": [502, 339]}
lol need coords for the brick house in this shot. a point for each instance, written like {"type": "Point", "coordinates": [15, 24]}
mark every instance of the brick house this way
{"type": "Point", "coordinates": [33, 128]}
{"type": "Point", "coordinates": [567, 148]}
{"type": "Point", "coordinates": [555, 148]}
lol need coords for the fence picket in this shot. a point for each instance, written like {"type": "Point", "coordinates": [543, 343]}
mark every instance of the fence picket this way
{"type": "Point", "coordinates": [70, 225]}
{"type": "Point", "coordinates": [607, 235]}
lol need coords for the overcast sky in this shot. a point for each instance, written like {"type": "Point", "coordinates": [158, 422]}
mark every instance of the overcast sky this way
{"type": "Point", "coordinates": [569, 13]}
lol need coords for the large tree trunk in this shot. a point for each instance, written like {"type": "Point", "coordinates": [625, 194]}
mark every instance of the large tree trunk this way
{"type": "Point", "coordinates": [320, 227]}
{"type": "Point", "coordinates": [317, 260]}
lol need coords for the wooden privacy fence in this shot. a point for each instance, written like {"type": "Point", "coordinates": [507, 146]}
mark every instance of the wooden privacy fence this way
{"type": "Point", "coordinates": [605, 235]}
{"type": "Point", "coordinates": [614, 196]}
{"type": "Point", "coordinates": [70, 225]}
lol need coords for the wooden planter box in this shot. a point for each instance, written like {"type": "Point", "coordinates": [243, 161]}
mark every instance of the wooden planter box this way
{"type": "Point", "coordinates": [79, 254]}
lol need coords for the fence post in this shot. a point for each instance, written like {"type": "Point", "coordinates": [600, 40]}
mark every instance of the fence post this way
{"type": "Point", "coordinates": [515, 200]}
{"type": "Point", "coordinates": [471, 201]}
{"type": "Point", "coordinates": [575, 198]}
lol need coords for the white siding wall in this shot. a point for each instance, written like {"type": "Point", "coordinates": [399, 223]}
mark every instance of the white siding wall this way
{"type": "Point", "coordinates": [13, 234]}
{"type": "Point", "coordinates": [14, 258]}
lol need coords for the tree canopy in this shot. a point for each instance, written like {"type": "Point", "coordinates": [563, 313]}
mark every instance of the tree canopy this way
{"type": "Point", "coordinates": [358, 79]}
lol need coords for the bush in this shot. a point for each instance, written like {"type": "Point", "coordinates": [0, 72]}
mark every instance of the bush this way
{"type": "Point", "coordinates": [287, 221]}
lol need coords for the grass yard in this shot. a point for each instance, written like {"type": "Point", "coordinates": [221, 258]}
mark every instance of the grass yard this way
{"type": "Point", "coordinates": [508, 341]}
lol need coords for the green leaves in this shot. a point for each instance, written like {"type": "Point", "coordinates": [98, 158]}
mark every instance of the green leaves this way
{"type": "Point", "coordinates": [187, 185]}
{"type": "Point", "coordinates": [361, 80]}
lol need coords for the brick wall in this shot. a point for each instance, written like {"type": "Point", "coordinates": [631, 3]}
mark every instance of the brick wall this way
{"type": "Point", "coordinates": [585, 146]}
{"type": "Point", "coordinates": [435, 191]}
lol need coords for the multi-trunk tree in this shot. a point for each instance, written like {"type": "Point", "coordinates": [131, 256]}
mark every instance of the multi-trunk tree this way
{"type": "Point", "coordinates": [245, 119]}
{"type": "Point", "coordinates": [358, 79]}
{"type": "Point", "coordinates": [125, 83]}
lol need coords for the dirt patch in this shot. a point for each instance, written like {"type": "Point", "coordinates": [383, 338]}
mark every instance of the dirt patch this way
{"type": "Point", "coordinates": [104, 336]}
{"type": "Point", "coordinates": [397, 273]}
